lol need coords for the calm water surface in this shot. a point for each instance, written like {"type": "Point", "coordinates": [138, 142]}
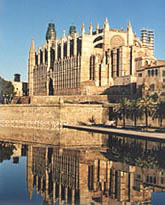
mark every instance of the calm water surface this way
{"type": "Point", "coordinates": [74, 167]}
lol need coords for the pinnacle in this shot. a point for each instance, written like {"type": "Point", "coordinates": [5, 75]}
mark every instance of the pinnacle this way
{"type": "Point", "coordinates": [129, 24]}
{"type": "Point", "coordinates": [33, 44]}
{"type": "Point", "coordinates": [106, 20]}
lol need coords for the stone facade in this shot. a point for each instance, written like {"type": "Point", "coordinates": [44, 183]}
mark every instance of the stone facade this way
{"type": "Point", "coordinates": [50, 116]}
{"type": "Point", "coordinates": [151, 79]}
{"type": "Point", "coordinates": [69, 99]}
{"type": "Point", "coordinates": [88, 63]}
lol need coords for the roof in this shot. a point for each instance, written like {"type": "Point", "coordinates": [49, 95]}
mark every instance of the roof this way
{"type": "Point", "coordinates": [150, 67]}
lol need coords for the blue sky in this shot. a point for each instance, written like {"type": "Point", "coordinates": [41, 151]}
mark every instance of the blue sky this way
{"type": "Point", "coordinates": [22, 20]}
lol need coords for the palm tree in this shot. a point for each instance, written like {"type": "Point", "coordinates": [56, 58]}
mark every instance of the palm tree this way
{"type": "Point", "coordinates": [159, 112]}
{"type": "Point", "coordinates": [123, 109]}
{"type": "Point", "coordinates": [146, 105]}
{"type": "Point", "coordinates": [134, 111]}
{"type": "Point", "coordinates": [116, 113]}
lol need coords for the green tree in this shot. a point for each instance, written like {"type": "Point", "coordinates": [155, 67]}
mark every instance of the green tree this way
{"type": "Point", "coordinates": [116, 113]}
{"type": "Point", "coordinates": [147, 105]}
{"type": "Point", "coordinates": [122, 109]}
{"type": "Point", "coordinates": [134, 111]}
{"type": "Point", "coordinates": [159, 112]}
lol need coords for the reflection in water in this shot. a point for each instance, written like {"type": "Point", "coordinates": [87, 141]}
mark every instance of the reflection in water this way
{"type": "Point", "coordinates": [6, 151]}
{"type": "Point", "coordinates": [141, 153]}
{"type": "Point", "coordinates": [118, 171]}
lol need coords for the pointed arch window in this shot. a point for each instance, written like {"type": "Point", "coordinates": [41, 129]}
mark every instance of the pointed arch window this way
{"type": "Point", "coordinates": [98, 39]}
{"type": "Point", "coordinates": [100, 45]}
{"type": "Point", "coordinates": [92, 68]}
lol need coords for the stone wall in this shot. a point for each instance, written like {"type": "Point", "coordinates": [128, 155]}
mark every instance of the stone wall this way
{"type": "Point", "coordinates": [30, 116]}
{"type": "Point", "coordinates": [68, 99]}
{"type": "Point", "coordinates": [82, 113]}
{"type": "Point", "coordinates": [50, 116]}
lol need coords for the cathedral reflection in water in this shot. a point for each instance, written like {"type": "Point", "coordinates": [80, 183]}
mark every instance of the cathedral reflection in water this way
{"type": "Point", "coordinates": [125, 172]}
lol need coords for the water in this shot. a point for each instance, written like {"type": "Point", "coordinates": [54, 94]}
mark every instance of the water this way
{"type": "Point", "coordinates": [13, 184]}
{"type": "Point", "coordinates": [75, 167]}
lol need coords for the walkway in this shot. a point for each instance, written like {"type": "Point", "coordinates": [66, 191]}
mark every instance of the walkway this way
{"type": "Point", "coordinates": [121, 132]}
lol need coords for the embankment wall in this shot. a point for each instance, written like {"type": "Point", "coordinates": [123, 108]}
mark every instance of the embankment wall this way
{"type": "Point", "coordinates": [50, 116]}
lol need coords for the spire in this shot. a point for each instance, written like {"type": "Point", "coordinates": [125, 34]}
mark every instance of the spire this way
{"type": "Point", "coordinates": [90, 29]}
{"type": "Point", "coordinates": [129, 27]}
{"type": "Point", "coordinates": [64, 35]}
{"type": "Point", "coordinates": [32, 52]}
{"type": "Point", "coordinates": [31, 64]}
{"type": "Point", "coordinates": [83, 29]}
{"type": "Point", "coordinates": [106, 24]}
{"type": "Point", "coordinates": [130, 34]}
{"type": "Point", "coordinates": [97, 28]}
{"type": "Point", "coordinates": [30, 194]}
{"type": "Point", "coordinates": [32, 45]}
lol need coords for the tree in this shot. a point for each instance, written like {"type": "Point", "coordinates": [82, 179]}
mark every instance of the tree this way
{"type": "Point", "coordinates": [116, 113]}
{"type": "Point", "coordinates": [159, 112]}
{"type": "Point", "coordinates": [134, 111]}
{"type": "Point", "coordinates": [146, 105]}
{"type": "Point", "coordinates": [122, 110]}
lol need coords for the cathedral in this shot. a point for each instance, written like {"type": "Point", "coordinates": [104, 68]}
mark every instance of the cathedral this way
{"type": "Point", "coordinates": [89, 63]}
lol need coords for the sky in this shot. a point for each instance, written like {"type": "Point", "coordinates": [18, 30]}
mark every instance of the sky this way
{"type": "Point", "coordinates": [23, 20]}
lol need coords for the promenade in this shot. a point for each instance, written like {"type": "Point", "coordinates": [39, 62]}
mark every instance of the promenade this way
{"type": "Point", "coordinates": [121, 132]}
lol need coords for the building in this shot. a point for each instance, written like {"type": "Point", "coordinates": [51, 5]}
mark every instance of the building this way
{"type": "Point", "coordinates": [20, 88]}
{"type": "Point", "coordinates": [89, 63]}
{"type": "Point", "coordinates": [151, 79]}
